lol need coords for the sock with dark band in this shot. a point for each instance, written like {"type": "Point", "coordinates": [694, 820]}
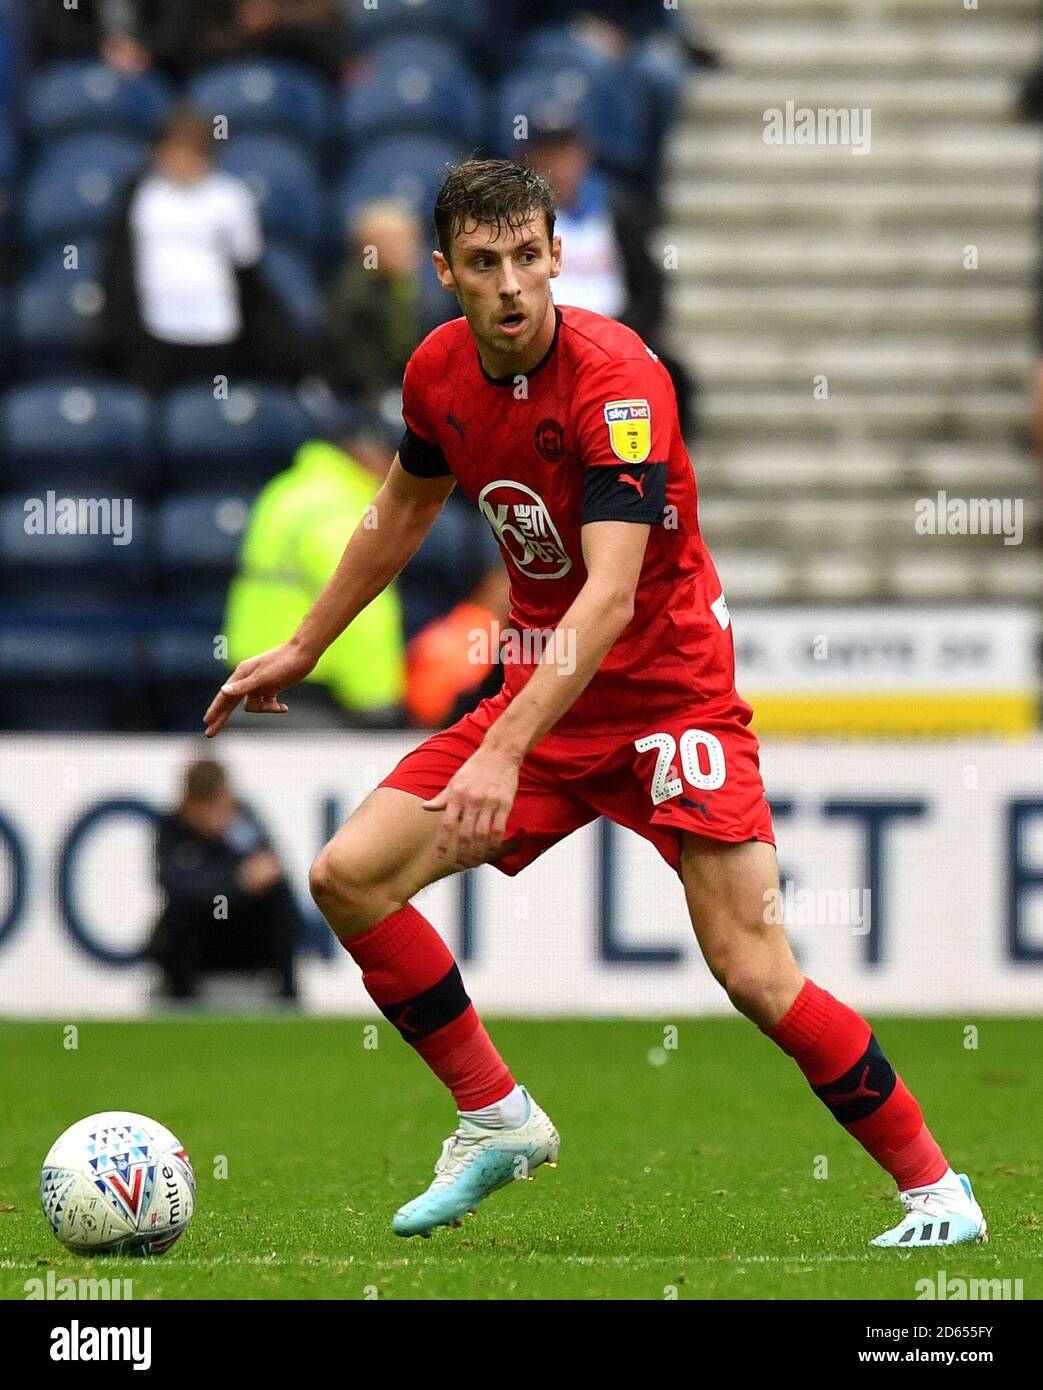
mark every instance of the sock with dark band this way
{"type": "Point", "coordinates": [411, 976]}
{"type": "Point", "coordinates": [837, 1052]}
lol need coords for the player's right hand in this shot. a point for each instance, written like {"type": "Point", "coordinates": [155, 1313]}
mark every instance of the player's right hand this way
{"type": "Point", "coordinates": [259, 679]}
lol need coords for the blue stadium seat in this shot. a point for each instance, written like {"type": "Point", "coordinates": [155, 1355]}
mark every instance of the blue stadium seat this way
{"type": "Point", "coordinates": [184, 673]}
{"type": "Point", "coordinates": [59, 435]}
{"type": "Point", "coordinates": [614, 109]}
{"type": "Point", "coordinates": [265, 94]}
{"type": "Point", "coordinates": [410, 167]}
{"type": "Point", "coordinates": [234, 444]}
{"type": "Point", "coordinates": [6, 333]}
{"type": "Point", "coordinates": [467, 22]}
{"type": "Point", "coordinates": [75, 186]}
{"type": "Point", "coordinates": [67, 677]}
{"type": "Point", "coordinates": [8, 151]}
{"type": "Point", "coordinates": [543, 94]}
{"type": "Point", "coordinates": [553, 46]}
{"type": "Point", "coordinates": [291, 276]}
{"type": "Point", "coordinates": [57, 312]}
{"type": "Point", "coordinates": [285, 182]}
{"type": "Point", "coordinates": [197, 543]}
{"type": "Point", "coordinates": [413, 85]}
{"type": "Point", "coordinates": [84, 94]}
{"type": "Point", "coordinates": [84, 570]}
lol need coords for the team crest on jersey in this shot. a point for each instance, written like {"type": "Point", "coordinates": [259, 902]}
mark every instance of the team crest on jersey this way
{"type": "Point", "coordinates": [629, 429]}
{"type": "Point", "coordinates": [549, 439]}
{"type": "Point", "coordinates": [525, 529]}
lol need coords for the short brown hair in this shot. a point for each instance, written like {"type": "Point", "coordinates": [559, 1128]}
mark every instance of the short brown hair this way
{"type": "Point", "coordinates": [205, 780]}
{"type": "Point", "coordinates": [490, 192]}
{"type": "Point", "coordinates": [185, 125]}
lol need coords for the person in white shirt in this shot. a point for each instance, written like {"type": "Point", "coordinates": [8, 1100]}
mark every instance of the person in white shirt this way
{"type": "Point", "coordinates": [183, 273]}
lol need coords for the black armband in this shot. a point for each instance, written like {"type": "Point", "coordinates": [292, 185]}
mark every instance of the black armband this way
{"type": "Point", "coordinates": [422, 458]}
{"type": "Point", "coordinates": [625, 492]}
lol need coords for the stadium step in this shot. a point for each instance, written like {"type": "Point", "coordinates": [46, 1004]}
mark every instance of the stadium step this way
{"type": "Point", "coordinates": [893, 101]}
{"type": "Point", "coordinates": [942, 153]}
{"type": "Point", "coordinates": [909, 257]}
{"type": "Point", "coordinates": [795, 263]}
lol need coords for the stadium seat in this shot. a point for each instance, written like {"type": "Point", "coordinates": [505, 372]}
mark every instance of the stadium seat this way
{"type": "Point", "coordinates": [60, 435]}
{"type": "Point", "coordinates": [57, 312]}
{"type": "Point", "coordinates": [543, 94]}
{"type": "Point", "coordinates": [8, 151]}
{"type": "Point", "coordinates": [74, 188]}
{"type": "Point", "coordinates": [83, 570]}
{"type": "Point", "coordinates": [83, 94]}
{"type": "Point", "coordinates": [291, 276]}
{"type": "Point", "coordinates": [553, 67]}
{"type": "Point", "coordinates": [410, 167]}
{"type": "Point", "coordinates": [413, 85]}
{"type": "Point", "coordinates": [234, 444]}
{"type": "Point", "coordinates": [6, 333]}
{"type": "Point", "coordinates": [283, 179]}
{"type": "Point", "coordinates": [467, 22]}
{"type": "Point", "coordinates": [68, 677]}
{"type": "Point", "coordinates": [197, 538]}
{"type": "Point", "coordinates": [265, 94]}
{"type": "Point", "coordinates": [184, 673]}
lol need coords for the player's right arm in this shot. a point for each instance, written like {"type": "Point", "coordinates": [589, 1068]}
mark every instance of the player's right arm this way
{"type": "Point", "coordinates": [392, 530]}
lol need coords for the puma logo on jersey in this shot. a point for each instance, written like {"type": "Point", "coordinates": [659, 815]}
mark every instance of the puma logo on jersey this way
{"type": "Point", "coordinates": [639, 483]}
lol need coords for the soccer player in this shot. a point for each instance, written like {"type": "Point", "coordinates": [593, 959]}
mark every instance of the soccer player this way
{"type": "Point", "coordinates": [561, 426]}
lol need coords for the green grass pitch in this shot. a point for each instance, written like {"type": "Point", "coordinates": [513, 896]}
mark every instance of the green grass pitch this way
{"type": "Point", "coordinates": [686, 1172]}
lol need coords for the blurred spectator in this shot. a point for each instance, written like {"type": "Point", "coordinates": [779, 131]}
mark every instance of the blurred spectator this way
{"type": "Point", "coordinates": [134, 35]}
{"type": "Point", "coordinates": [373, 321]}
{"type": "Point", "coordinates": [449, 662]}
{"type": "Point", "coordinates": [228, 905]}
{"type": "Point", "coordinates": [179, 35]}
{"type": "Point", "coordinates": [299, 526]}
{"type": "Point", "coordinates": [184, 293]}
{"type": "Point", "coordinates": [606, 264]}
{"type": "Point", "coordinates": [305, 31]}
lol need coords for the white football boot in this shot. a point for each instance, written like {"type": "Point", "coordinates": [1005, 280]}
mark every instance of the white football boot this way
{"type": "Point", "coordinates": [474, 1162]}
{"type": "Point", "coordinates": [942, 1215]}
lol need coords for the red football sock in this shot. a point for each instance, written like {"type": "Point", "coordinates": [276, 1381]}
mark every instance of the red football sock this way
{"type": "Point", "coordinates": [411, 976]}
{"type": "Point", "coordinates": [837, 1052]}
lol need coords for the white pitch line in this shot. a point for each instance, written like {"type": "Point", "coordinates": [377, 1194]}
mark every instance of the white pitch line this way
{"type": "Point", "coordinates": [330, 1261]}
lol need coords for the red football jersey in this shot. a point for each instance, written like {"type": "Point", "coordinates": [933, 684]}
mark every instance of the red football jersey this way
{"type": "Point", "coordinates": [591, 433]}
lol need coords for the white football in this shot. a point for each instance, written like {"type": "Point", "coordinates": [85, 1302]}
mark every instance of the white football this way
{"type": "Point", "coordinates": [117, 1184]}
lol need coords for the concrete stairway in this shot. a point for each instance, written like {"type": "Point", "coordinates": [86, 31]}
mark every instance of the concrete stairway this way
{"type": "Point", "coordinates": [802, 262]}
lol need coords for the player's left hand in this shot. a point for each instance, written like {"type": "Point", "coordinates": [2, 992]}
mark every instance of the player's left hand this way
{"type": "Point", "coordinates": [476, 804]}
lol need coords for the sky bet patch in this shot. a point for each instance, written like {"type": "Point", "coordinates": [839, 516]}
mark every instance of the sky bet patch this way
{"type": "Point", "coordinates": [629, 429]}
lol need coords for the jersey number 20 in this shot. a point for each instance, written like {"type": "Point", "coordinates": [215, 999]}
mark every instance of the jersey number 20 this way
{"type": "Point", "coordinates": [663, 785]}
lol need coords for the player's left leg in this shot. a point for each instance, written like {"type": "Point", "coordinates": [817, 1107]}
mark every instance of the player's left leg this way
{"type": "Point", "coordinates": [729, 888]}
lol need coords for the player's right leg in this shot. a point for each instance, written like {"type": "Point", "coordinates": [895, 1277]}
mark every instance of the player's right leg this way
{"type": "Point", "coordinates": [362, 881]}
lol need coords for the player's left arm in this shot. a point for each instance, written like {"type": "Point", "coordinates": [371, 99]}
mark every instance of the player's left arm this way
{"type": "Point", "coordinates": [477, 801]}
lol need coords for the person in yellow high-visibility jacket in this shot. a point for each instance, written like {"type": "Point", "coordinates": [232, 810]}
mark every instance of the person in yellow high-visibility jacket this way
{"type": "Point", "coordinates": [298, 528]}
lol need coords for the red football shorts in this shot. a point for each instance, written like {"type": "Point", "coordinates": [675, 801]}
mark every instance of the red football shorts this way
{"type": "Point", "coordinates": [696, 772]}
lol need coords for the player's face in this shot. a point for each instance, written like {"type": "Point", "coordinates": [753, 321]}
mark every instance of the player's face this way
{"type": "Point", "coordinates": [503, 285]}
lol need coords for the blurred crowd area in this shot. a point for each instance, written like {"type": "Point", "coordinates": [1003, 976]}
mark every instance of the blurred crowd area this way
{"type": "Point", "coordinates": [215, 235]}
